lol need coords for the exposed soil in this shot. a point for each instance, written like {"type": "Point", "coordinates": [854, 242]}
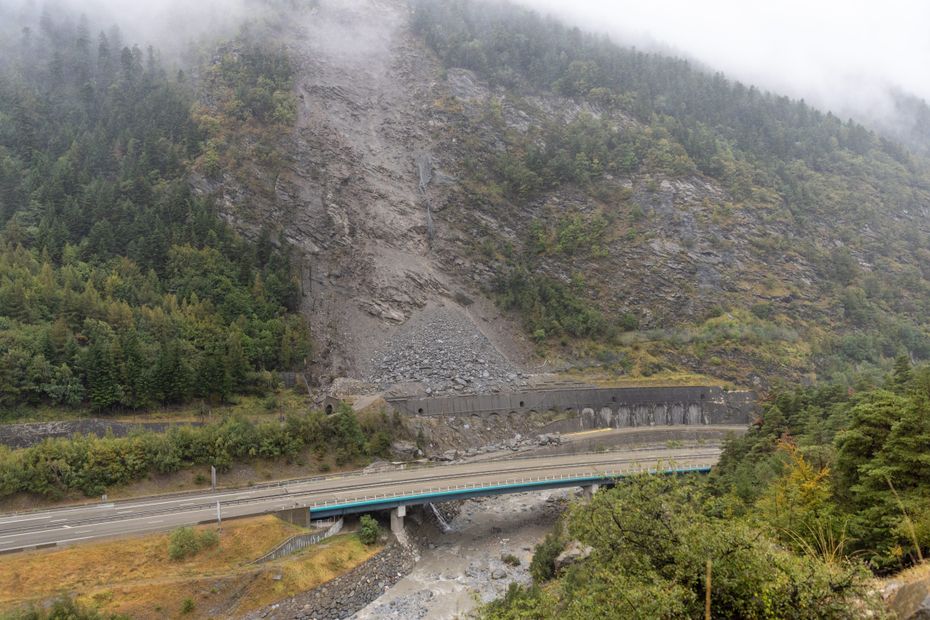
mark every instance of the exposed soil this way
{"type": "Point", "coordinates": [354, 197]}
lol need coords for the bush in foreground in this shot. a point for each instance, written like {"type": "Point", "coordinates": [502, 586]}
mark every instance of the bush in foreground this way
{"type": "Point", "coordinates": [369, 530]}
{"type": "Point", "coordinates": [651, 541]}
{"type": "Point", "coordinates": [185, 542]}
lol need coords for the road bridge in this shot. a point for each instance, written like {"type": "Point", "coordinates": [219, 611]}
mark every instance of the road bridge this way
{"type": "Point", "coordinates": [342, 494]}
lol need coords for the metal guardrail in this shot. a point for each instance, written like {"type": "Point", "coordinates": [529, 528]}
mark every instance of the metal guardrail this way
{"type": "Point", "coordinates": [301, 541]}
{"type": "Point", "coordinates": [208, 501]}
{"type": "Point", "coordinates": [297, 495]}
{"type": "Point", "coordinates": [507, 483]}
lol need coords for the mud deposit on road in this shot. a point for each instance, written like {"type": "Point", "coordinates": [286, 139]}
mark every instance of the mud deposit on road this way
{"type": "Point", "coordinates": [464, 564]}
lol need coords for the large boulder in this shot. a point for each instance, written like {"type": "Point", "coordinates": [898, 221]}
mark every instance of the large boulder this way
{"type": "Point", "coordinates": [909, 598]}
{"type": "Point", "coordinates": [574, 552]}
{"type": "Point", "coordinates": [405, 449]}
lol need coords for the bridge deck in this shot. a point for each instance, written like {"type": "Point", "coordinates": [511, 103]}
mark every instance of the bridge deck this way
{"type": "Point", "coordinates": [475, 490]}
{"type": "Point", "coordinates": [99, 520]}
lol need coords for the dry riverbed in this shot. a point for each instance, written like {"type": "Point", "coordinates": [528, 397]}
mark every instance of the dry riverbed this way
{"type": "Point", "coordinates": [464, 565]}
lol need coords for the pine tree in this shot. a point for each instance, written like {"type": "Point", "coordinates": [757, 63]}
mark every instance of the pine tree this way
{"type": "Point", "coordinates": [102, 371]}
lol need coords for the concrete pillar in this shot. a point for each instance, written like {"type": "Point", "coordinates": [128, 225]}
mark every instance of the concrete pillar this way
{"type": "Point", "coordinates": [397, 520]}
{"type": "Point", "coordinates": [589, 490]}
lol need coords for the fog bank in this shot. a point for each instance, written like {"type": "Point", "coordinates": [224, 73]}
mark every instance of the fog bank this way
{"type": "Point", "coordinates": [842, 55]}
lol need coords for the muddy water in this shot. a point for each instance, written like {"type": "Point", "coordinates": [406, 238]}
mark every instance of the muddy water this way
{"type": "Point", "coordinates": [463, 566]}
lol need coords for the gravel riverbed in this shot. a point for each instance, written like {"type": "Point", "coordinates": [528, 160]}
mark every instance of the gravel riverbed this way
{"type": "Point", "coordinates": [464, 565]}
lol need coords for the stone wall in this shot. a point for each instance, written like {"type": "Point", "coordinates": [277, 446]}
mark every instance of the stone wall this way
{"type": "Point", "coordinates": [32, 433]}
{"type": "Point", "coordinates": [599, 407]}
{"type": "Point", "coordinates": [345, 595]}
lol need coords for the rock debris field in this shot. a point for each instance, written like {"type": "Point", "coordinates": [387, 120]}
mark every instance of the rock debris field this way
{"type": "Point", "coordinates": [445, 353]}
{"type": "Point", "coordinates": [465, 565]}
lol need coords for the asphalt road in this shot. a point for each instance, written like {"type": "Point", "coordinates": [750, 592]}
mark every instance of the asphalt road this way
{"type": "Point", "coordinates": [83, 523]}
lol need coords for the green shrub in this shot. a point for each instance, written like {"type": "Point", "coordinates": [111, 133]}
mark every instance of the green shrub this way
{"type": "Point", "coordinates": [187, 606]}
{"type": "Point", "coordinates": [542, 567]}
{"type": "Point", "coordinates": [182, 543]}
{"type": "Point", "coordinates": [628, 322]}
{"type": "Point", "coordinates": [763, 310]}
{"type": "Point", "coordinates": [185, 542]}
{"type": "Point", "coordinates": [369, 530]}
{"type": "Point", "coordinates": [510, 559]}
{"type": "Point", "coordinates": [209, 539]}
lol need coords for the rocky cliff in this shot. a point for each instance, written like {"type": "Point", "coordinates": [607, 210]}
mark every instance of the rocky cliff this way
{"type": "Point", "coordinates": [397, 189]}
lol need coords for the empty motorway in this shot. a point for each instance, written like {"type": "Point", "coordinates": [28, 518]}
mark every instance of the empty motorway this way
{"type": "Point", "coordinates": [109, 519]}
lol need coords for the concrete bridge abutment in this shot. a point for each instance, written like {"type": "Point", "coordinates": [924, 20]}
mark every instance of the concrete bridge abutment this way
{"type": "Point", "coordinates": [589, 490]}
{"type": "Point", "coordinates": [397, 520]}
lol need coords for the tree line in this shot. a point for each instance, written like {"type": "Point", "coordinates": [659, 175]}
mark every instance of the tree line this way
{"type": "Point", "coordinates": [119, 287]}
{"type": "Point", "coordinates": [90, 465]}
{"type": "Point", "coordinates": [829, 487]}
{"type": "Point", "coordinates": [849, 197]}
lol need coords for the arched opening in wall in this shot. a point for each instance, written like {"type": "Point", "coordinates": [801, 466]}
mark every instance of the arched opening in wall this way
{"type": "Point", "coordinates": [420, 410]}
{"type": "Point", "coordinates": [329, 410]}
{"type": "Point", "coordinates": [522, 404]}
{"type": "Point", "coordinates": [613, 399]}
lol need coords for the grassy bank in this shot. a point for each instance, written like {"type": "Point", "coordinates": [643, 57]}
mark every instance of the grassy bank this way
{"type": "Point", "coordinates": [136, 577]}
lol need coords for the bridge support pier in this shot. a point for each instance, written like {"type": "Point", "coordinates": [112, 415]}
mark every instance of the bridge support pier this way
{"type": "Point", "coordinates": [397, 521]}
{"type": "Point", "coordinates": [589, 490]}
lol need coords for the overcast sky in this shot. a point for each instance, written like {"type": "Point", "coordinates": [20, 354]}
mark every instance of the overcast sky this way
{"type": "Point", "coordinates": [841, 54]}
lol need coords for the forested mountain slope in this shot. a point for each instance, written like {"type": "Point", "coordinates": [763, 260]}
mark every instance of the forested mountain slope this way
{"type": "Point", "coordinates": [630, 212]}
{"type": "Point", "coordinates": [118, 286]}
{"type": "Point", "coordinates": [602, 190]}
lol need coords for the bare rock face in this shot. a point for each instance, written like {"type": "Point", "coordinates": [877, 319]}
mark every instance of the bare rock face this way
{"type": "Point", "coordinates": [355, 197]}
{"type": "Point", "coordinates": [574, 552]}
{"type": "Point", "coordinates": [909, 600]}
{"type": "Point", "coordinates": [395, 242]}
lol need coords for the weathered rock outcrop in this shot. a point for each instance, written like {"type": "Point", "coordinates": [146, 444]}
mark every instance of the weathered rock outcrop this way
{"type": "Point", "coordinates": [909, 599]}
{"type": "Point", "coordinates": [574, 552]}
{"type": "Point", "coordinates": [354, 200]}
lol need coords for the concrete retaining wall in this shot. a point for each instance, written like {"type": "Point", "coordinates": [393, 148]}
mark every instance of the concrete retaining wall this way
{"type": "Point", "coordinates": [600, 407]}
{"type": "Point", "coordinates": [295, 543]}
{"type": "Point", "coordinates": [28, 434]}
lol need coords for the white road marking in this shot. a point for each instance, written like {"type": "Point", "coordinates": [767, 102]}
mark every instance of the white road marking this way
{"type": "Point", "coordinates": [22, 519]}
{"type": "Point", "coordinates": [261, 500]}
{"type": "Point", "coordinates": [67, 540]}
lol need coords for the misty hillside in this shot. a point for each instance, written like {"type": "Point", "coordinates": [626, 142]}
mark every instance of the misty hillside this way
{"type": "Point", "coordinates": [119, 287]}
{"type": "Point", "coordinates": [516, 193]}
{"type": "Point", "coordinates": [719, 226]}
{"type": "Point", "coordinates": [628, 211]}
